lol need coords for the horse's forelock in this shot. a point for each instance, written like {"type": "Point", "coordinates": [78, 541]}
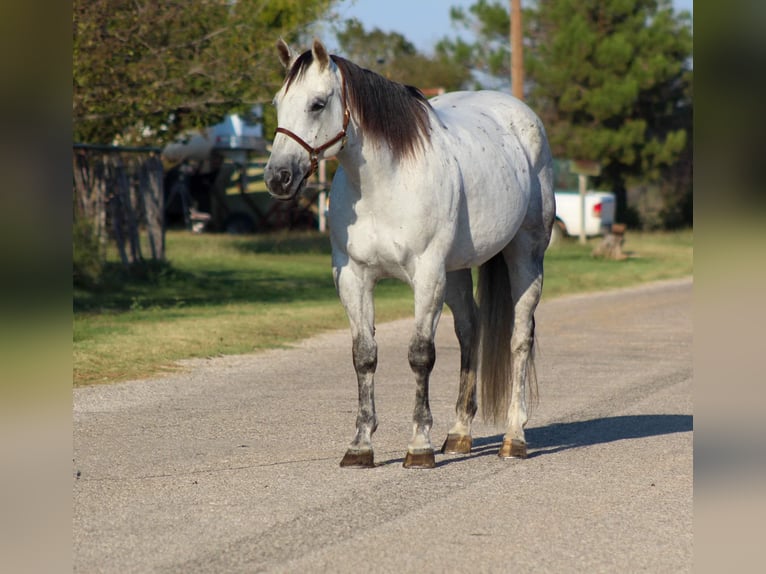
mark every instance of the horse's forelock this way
{"type": "Point", "coordinates": [298, 68]}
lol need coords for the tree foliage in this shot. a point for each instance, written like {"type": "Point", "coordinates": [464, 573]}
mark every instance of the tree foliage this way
{"type": "Point", "coordinates": [611, 79]}
{"type": "Point", "coordinates": [490, 22]}
{"type": "Point", "coordinates": [146, 69]}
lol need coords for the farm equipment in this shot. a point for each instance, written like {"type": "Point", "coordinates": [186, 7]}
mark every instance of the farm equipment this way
{"type": "Point", "coordinates": [214, 182]}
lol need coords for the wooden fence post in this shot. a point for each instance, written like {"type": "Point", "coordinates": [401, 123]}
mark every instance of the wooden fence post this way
{"type": "Point", "coordinates": [152, 192]}
{"type": "Point", "coordinates": [121, 195]}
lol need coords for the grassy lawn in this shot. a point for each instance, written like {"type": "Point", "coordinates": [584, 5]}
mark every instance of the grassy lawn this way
{"type": "Point", "coordinates": [224, 294]}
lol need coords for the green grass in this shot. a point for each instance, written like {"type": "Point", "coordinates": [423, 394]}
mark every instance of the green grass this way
{"type": "Point", "coordinates": [570, 268]}
{"type": "Point", "coordinates": [232, 294]}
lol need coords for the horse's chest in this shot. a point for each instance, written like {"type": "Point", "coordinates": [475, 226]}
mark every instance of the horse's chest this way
{"type": "Point", "coordinates": [389, 245]}
{"type": "Point", "coordinates": [378, 244]}
{"type": "Point", "coordinates": [391, 229]}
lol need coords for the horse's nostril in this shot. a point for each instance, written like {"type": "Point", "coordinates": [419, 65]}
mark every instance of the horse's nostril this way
{"type": "Point", "coordinates": [286, 176]}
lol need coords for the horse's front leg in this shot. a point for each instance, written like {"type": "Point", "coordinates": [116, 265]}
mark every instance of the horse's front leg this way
{"type": "Point", "coordinates": [429, 298]}
{"type": "Point", "coordinates": [355, 288]}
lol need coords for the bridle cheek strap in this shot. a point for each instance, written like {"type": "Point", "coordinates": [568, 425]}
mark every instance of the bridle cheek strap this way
{"type": "Point", "coordinates": [315, 151]}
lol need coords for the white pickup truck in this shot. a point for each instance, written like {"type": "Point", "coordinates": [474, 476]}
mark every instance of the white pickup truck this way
{"type": "Point", "coordinates": [599, 213]}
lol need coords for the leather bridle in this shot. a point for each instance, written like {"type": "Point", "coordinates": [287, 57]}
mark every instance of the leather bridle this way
{"type": "Point", "coordinates": [315, 151]}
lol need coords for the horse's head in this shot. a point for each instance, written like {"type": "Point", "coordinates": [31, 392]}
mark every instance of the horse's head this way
{"type": "Point", "coordinates": [312, 117]}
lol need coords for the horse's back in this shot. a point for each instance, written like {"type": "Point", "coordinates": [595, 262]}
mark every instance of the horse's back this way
{"type": "Point", "coordinates": [505, 165]}
{"type": "Point", "coordinates": [497, 117]}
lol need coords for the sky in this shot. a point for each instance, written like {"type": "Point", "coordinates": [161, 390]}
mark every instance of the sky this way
{"type": "Point", "coordinates": [422, 22]}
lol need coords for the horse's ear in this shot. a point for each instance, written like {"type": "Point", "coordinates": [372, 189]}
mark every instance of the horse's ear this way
{"type": "Point", "coordinates": [285, 53]}
{"type": "Point", "coordinates": [320, 54]}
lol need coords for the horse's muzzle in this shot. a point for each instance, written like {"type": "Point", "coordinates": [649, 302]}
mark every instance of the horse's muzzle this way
{"type": "Point", "coordinates": [283, 183]}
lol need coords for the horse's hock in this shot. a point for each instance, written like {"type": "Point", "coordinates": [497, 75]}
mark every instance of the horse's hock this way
{"type": "Point", "coordinates": [611, 246]}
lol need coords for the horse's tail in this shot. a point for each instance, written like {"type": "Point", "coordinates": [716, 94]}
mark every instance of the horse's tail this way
{"type": "Point", "coordinates": [495, 328]}
{"type": "Point", "coordinates": [496, 316]}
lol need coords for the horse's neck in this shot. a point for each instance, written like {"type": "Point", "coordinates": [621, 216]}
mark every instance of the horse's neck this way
{"type": "Point", "coordinates": [368, 166]}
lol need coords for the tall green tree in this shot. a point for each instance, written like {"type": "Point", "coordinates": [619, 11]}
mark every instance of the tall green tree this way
{"type": "Point", "coordinates": [490, 22]}
{"type": "Point", "coordinates": [148, 69]}
{"type": "Point", "coordinates": [612, 81]}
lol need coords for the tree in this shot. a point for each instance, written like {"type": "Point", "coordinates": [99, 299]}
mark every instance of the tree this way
{"type": "Point", "coordinates": [611, 80]}
{"type": "Point", "coordinates": [144, 71]}
{"type": "Point", "coordinates": [148, 69]}
{"type": "Point", "coordinates": [395, 57]}
{"type": "Point", "coordinates": [490, 22]}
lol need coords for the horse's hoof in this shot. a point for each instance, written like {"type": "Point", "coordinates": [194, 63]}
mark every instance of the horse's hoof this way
{"type": "Point", "coordinates": [423, 459]}
{"type": "Point", "coordinates": [358, 459]}
{"type": "Point", "coordinates": [457, 444]}
{"type": "Point", "coordinates": [513, 448]}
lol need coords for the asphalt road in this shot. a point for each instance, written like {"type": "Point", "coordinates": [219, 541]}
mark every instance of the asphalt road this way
{"type": "Point", "coordinates": [232, 465]}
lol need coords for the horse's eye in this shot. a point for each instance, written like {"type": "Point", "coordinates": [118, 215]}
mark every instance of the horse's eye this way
{"type": "Point", "coordinates": [317, 105]}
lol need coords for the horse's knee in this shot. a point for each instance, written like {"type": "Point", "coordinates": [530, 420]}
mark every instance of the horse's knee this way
{"type": "Point", "coordinates": [522, 345]}
{"type": "Point", "coordinates": [422, 355]}
{"type": "Point", "coordinates": [524, 342]}
{"type": "Point", "coordinates": [365, 354]}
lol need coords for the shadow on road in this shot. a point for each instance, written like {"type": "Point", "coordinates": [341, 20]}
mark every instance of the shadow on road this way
{"type": "Point", "coordinates": [559, 437]}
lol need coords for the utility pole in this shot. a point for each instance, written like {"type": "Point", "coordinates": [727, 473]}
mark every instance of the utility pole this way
{"type": "Point", "coordinates": [517, 53]}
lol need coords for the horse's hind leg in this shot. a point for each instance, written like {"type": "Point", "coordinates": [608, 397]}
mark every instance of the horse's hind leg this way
{"type": "Point", "coordinates": [356, 294]}
{"type": "Point", "coordinates": [524, 258]}
{"type": "Point", "coordinates": [459, 297]}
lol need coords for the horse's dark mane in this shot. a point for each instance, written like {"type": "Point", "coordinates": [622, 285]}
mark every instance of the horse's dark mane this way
{"type": "Point", "coordinates": [389, 112]}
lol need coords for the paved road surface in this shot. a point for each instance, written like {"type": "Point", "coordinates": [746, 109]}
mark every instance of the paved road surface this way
{"type": "Point", "coordinates": [233, 465]}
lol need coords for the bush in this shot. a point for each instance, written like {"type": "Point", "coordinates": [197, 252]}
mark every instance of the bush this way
{"type": "Point", "coordinates": [660, 207]}
{"type": "Point", "coordinates": [87, 260]}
